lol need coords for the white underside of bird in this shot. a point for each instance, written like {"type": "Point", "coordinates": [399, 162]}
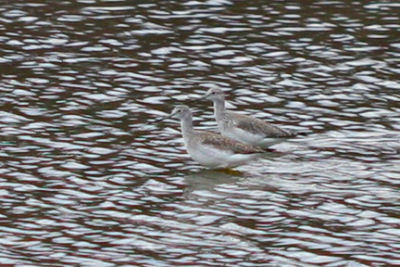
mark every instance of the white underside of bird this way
{"type": "Point", "coordinates": [248, 137]}
{"type": "Point", "coordinates": [212, 157]}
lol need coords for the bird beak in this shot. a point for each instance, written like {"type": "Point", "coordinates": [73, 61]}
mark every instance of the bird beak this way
{"type": "Point", "coordinates": [174, 111]}
{"type": "Point", "coordinates": [198, 99]}
{"type": "Point", "coordinates": [204, 96]}
{"type": "Point", "coordinates": [164, 117]}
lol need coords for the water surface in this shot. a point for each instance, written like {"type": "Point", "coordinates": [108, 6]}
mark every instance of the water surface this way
{"type": "Point", "coordinates": [87, 178]}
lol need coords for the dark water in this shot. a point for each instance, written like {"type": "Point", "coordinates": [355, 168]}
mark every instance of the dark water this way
{"type": "Point", "coordinates": [88, 179]}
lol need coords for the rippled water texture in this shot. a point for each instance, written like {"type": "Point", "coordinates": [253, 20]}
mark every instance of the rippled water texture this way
{"type": "Point", "coordinates": [88, 178]}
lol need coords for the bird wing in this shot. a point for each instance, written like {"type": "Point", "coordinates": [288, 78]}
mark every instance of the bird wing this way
{"type": "Point", "coordinates": [227, 144]}
{"type": "Point", "coordinates": [258, 126]}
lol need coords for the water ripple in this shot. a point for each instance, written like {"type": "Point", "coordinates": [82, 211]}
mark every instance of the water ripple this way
{"type": "Point", "coordinates": [88, 178]}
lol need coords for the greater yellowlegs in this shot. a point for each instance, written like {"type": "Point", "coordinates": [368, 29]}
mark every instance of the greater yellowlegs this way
{"type": "Point", "coordinates": [241, 127]}
{"type": "Point", "coordinates": [211, 149]}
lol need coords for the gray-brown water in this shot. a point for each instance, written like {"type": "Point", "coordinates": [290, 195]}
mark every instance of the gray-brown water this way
{"type": "Point", "coordinates": [87, 178]}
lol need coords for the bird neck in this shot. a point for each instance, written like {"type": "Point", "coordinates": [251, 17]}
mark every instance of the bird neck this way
{"type": "Point", "coordinates": [187, 126]}
{"type": "Point", "coordinates": [219, 109]}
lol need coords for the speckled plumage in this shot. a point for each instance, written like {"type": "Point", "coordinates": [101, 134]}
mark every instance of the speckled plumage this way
{"type": "Point", "coordinates": [256, 126]}
{"type": "Point", "coordinates": [222, 143]}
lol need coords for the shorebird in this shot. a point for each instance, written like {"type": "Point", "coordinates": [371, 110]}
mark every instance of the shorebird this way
{"type": "Point", "coordinates": [240, 127]}
{"type": "Point", "coordinates": [212, 149]}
